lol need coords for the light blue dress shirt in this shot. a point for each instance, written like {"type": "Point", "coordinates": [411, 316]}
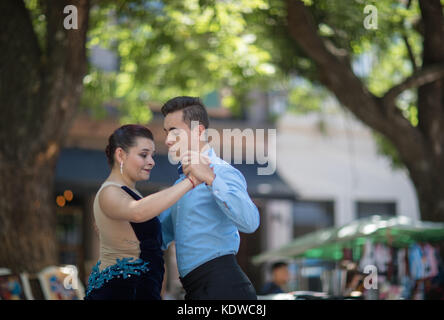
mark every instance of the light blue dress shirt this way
{"type": "Point", "coordinates": [206, 221]}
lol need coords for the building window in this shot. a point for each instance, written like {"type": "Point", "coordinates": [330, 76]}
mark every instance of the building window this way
{"type": "Point", "coordinates": [366, 209]}
{"type": "Point", "coordinates": [309, 216]}
{"type": "Point", "coordinates": [70, 236]}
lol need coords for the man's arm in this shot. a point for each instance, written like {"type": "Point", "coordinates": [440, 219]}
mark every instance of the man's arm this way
{"type": "Point", "coordinates": [228, 187]}
{"type": "Point", "coordinates": [230, 192]}
{"type": "Point", "coordinates": [166, 222]}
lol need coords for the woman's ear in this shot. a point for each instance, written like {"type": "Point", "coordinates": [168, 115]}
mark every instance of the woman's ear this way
{"type": "Point", "coordinates": [120, 155]}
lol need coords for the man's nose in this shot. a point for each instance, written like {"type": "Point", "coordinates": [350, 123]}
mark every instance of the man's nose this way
{"type": "Point", "coordinates": [170, 140]}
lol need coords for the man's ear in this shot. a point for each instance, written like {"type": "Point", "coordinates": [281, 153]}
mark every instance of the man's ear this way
{"type": "Point", "coordinates": [201, 131]}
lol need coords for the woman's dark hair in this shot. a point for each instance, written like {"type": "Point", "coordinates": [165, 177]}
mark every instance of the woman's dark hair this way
{"type": "Point", "coordinates": [193, 109]}
{"type": "Point", "coordinates": [125, 138]}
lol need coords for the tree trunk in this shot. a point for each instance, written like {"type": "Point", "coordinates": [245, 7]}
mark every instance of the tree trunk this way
{"type": "Point", "coordinates": [27, 217]}
{"type": "Point", "coordinates": [430, 191]}
{"type": "Point", "coordinates": [40, 90]}
{"type": "Point", "coordinates": [430, 185]}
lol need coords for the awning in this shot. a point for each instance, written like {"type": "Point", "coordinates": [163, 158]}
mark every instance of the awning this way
{"type": "Point", "coordinates": [399, 231]}
{"type": "Point", "coordinates": [83, 171]}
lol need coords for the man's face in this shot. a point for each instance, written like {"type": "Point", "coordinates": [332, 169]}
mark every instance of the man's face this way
{"type": "Point", "coordinates": [178, 132]}
{"type": "Point", "coordinates": [281, 275]}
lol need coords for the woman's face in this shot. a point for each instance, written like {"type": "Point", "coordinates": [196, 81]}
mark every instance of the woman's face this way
{"type": "Point", "coordinates": [138, 162]}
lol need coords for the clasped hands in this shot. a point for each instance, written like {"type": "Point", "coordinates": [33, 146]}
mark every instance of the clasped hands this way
{"type": "Point", "coordinates": [196, 166]}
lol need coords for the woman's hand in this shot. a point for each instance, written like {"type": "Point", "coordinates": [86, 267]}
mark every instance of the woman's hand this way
{"type": "Point", "coordinates": [198, 165]}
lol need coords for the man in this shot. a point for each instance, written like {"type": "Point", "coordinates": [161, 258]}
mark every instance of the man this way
{"type": "Point", "coordinates": [280, 278]}
{"type": "Point", "coordinates": [205, 222]}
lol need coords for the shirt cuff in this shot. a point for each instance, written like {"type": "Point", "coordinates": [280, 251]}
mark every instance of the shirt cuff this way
{"type": "Point", "coordinates": [218, 187]}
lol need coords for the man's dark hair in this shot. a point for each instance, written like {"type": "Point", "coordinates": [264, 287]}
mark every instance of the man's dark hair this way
{"type": "Point", "coordinates": [193, 109]}
{"type": "Point", "coordinates": [278, 265]}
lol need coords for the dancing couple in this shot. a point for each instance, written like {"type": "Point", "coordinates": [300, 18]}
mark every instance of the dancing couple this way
{"type": "Point", "coordinates": [202, 212]}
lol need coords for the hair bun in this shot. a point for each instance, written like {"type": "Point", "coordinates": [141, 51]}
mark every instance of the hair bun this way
{"type": "Point", "coordinates": [108, 151]}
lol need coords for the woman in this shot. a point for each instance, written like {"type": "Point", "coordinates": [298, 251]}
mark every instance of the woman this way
{"type": "Point", "coordinates": [131, 262]}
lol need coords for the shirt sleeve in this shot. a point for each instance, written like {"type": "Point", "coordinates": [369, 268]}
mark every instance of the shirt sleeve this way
{"type": "Point", "coordinates": [167, 228]}
{"type": "Point", "coordinates": [229, 188]}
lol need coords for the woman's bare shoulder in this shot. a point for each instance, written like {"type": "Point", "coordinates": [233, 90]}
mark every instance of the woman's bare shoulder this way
{"type": "Point", "coordinates": [111, 199]}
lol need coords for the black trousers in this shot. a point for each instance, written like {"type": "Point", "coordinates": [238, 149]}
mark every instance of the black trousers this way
{"type": "Point", "coordinates": [218, 279]}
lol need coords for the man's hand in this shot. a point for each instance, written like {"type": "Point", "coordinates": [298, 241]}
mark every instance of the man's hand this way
{"type": "Point", "coordinates": [198, 165]}
{"type": "Point", "coordinates": [195, 181]}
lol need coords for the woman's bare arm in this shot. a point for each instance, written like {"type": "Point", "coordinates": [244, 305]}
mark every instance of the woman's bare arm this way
{"type": "Point", "coordinates": [116, 204]}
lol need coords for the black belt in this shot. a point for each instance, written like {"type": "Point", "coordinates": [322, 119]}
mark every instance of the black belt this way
{"type": "Point", "coordinates": [202, 271]}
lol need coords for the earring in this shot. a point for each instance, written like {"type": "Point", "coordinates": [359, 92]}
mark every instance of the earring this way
{"type": "Point", "coordinates": [121, 168]}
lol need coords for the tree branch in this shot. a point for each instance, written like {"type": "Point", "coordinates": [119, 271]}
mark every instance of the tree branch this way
{"type": "Point", "coordinates": [339, 78]}
{"type": "Point", "coordinates": [433, 24]}
{"type": "Point", "coordinates": [410, 53]}
{"type": "Point", "coordinates": [430, 95]}
{"type": "Point", "coordinates": [66, 54]}
{"type": "Point", "coordinates": [422, 77]}
{"type": "Point", "coordinates": [407, 43]}
{"type": "Point", "coordinates": [335, 74]}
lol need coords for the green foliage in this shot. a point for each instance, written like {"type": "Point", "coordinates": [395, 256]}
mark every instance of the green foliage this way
{"type": "Point", "coordinates": [174, 48]}
{"type": "Point", "coordinates": [168, 48]}
{"type": "Point", "coordinates": [304, 97]}
{"type": "Point", "coordinates": [191, 47]}
{"type": "Point", "coordinates": [38, 21]}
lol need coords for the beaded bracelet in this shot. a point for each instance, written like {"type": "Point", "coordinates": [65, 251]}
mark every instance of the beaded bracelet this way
{"type": "Point", "coordinates": [191, 182]}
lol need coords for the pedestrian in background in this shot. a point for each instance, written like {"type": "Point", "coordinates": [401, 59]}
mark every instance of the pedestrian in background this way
{"type": "Point", "coordinates": [279, 280]}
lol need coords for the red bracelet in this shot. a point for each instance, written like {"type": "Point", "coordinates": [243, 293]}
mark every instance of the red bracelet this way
{"type": "Point", "coordinates": [191, 182]}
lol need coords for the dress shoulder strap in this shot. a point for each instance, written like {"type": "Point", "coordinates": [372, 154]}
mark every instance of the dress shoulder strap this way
{"type": "Point", "coordinates": [125, 188]}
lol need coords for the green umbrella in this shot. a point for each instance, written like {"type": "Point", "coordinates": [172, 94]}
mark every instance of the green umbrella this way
{"type": "Point", "coordinates": [328, 244]}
